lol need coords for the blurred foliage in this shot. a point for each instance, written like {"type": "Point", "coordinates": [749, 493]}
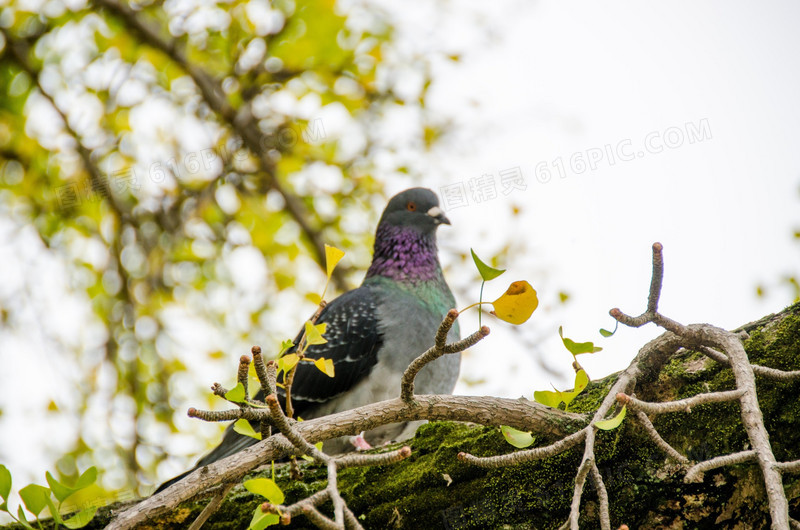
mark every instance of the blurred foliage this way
{"type": "Point", "coordinates": [187, 160]}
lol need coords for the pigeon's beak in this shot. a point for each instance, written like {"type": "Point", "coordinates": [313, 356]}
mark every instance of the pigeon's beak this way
{"type": "Point", "coordinates": [438, 216]}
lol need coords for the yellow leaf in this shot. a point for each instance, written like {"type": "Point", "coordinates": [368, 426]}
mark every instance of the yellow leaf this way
{"type": "Point", "coordinates": [314, 333]}
{"type": "Point", "coordinates": [325, 366]}
{"type": "Point", "coordinates": [332, 257]}
{"type": "Point", "coordinates": [287, 362]}
{"type": "Point", "coordinates": [517, 304]}
{"type": "Point", "coordinates": [314, 298]}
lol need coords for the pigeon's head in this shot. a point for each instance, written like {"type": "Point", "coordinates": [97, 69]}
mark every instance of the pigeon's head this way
{"type": "Point", "coordinates": [416, 208]}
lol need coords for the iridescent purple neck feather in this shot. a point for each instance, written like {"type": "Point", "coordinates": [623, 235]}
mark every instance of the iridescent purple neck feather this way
{"type": "Point", "coordinates": [404, 254]}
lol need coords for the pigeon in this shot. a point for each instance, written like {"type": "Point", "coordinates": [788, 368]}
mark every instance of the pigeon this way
{"type": "Point", "coordinates": [376, 330]}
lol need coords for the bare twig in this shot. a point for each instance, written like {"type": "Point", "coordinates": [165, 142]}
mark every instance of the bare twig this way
{"type": "Point", "coordinates": [602, 496]}
{"type": "Point", "coordinates": [695, 473]}
{"type": "Point", "coordinates": [659, 441]}
{"type": "Point", "coordinates": [439, 349]}
{"type": "Point", "coordinates": [528, 455]}
{"type": "Point", "coordinates": [283, 425]}
{"type": "Point", "coordinates": [242, 375]}
{"type": "Point", "coordinates": [319, 520]}
{"type": "Point", "coordinates": [381, 459]}
{"type": "Point", "coordinates": [575, 507]}
{"type": "Point", "coordinates": [680, 405]}
{"type": "Point", "coordinates": [763, 371]}
{"type": "Point", "coordinates": [700, 335]}
{"type": "Point", "coordinates": [212, 506]}
{"type": "Point", "coordinates": [788, 467]}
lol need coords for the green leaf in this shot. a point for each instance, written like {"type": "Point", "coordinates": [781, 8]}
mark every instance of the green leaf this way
{"type": "Point", "coordinates": [325, 366]}
{"type": "Point", "coordinates": [487, 273]}
{"type": "Point", "coordinates": [613, 423]}
{"type": "Point", "coordinates": [555, 398]}
{"type": "Point", "coordinates": [53, 510]}
{"type": "Point", "coordinates": [547, 398]}
{"type": "Point", "coordinates": [519, 439]}
{"type": "Point", "coordinates": [5, 483]}
{"type": "Point", "coordinates": [606, 333]}
{"type": "Point", "coordinates": [285, 345]}
{"type": "Point", "coordinates": [236, 394]}
{"type": "Point", "coordinates": [314, 333]}
{"type": "Point", "coordinates": [35, 498]}
{"type": "Point", "coordinates": [87, 478]}
{"type": "Point", "coordinates": [581, 381]}
{"type": "Point", "coordinates": [243, 427]}
{"type": "Point", "coordinates": [81, 519]}
{"type": "Point", "coordinates": [266, 488]}
{"type": "Point", "coordinates": [21, 517]}
{"type": "Point", "coordinates": [60, 491]}
{"type": "Point", "coordinates": [577, 348]}
{"type": "Point", "coordinates": [262, 520]}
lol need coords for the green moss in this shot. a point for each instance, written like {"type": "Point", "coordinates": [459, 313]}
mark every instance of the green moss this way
{"type": "Point", "coordinates": [432, 489]}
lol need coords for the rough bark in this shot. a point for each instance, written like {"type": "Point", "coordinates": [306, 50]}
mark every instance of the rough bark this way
{"type": "Point", "coordinates": [432, 489]}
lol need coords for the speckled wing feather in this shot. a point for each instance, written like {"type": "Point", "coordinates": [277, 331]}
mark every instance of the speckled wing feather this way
{"type": "Point", "coordinates": [353, 341]}
{"type": "Point", "coordinates": [353, 344]}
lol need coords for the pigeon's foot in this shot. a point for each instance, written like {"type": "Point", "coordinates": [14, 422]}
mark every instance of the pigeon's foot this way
{"type": "Point", "coordinates": [360, 443]}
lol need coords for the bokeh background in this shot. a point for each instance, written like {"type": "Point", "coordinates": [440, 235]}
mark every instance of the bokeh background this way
{"type": "Point", "coordinates": [170, 170]}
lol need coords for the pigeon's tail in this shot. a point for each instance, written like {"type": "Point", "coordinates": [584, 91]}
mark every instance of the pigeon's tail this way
{"type": "Point", "coordinates": [232, 442]}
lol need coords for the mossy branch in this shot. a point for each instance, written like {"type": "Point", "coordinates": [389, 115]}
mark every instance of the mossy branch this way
{"type": "Point", "coordinates": [569, 429]}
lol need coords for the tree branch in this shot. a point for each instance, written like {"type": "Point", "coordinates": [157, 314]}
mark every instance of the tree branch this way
{"type": "Point", "coordinates": [242, 123]}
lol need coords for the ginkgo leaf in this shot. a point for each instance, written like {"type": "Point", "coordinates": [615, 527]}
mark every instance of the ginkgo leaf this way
{"type": "Point", "coordinates": [314, 298]}
{"type": "Point", "coordinates": [5, 482]}
{"type": "Point", "coordinates": [547, 398]}
{"type": "Point", "coordinates": [613, 423]}
{"type": "Point", "coordinates": [325, 366]}
{"type": "Point", "coordinates": [332, 257]}
{"type": "Point", "coordinates": [288, 361]}
{"type": "Point", "coordinates": [577, 348]}
{"type": "Point", "coordinates": [517, 304]}
{"type": "Point", "coordinates": [285, 345]}
{"type": "Point", "coordinates": [553, 398]}
{"type": "Point", "coordinates": [262, 520]}
{"type": "Point", "coordinates": [236, 394]}
{"type": "Point", "coordinates": [35, 498]}
{"type": "Point", "coordinates": [61, 491]}
{"type": "Point", "coordinates": [606, 333]}
{"type": "Point", "coordinates": [86, 479]}
{"type": "Point", "coordinates": [581, 380]}
{"type": "Point", "coordinates": [266, 488]}
{"type": "Point", "coordinates": [520, 439]}
{"type": "Point", "coordinates": [243, 427]}
{"type": "Point", "coordinates": [487, 273]}
{"type": "Point", "coordinates": [314, 333]}
{"type": "Point", "coordinates": [80, 519]}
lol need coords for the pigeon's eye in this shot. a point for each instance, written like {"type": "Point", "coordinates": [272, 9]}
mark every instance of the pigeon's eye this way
{"type": "Point", "coordinates": [411, 207]}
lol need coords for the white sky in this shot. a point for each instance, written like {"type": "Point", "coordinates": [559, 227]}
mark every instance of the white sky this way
{"type": "Point", "coordinates": [543, 82]}
{"type": "Point", "coordinates": [569, 78]}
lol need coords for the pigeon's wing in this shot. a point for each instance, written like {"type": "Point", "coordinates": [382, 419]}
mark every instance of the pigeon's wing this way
{"type": "Point", "coordinates": [353, 341]}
